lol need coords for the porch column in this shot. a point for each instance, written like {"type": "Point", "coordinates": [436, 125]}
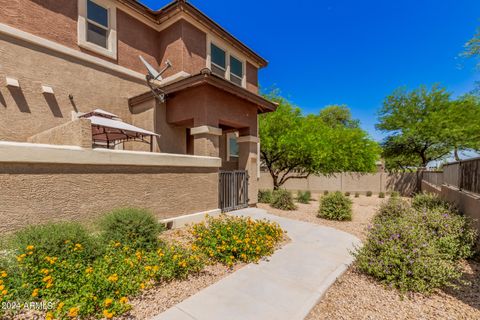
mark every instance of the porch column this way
{"type": "Point", "coordinates": [247, 160]}
{"type": "Point", "coordinates": [206, 141]}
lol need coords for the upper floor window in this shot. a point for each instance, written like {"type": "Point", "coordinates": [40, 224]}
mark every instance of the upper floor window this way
{"type": "Point", "coordinates": [97, 27]}
{"type": "Point", "coordinates": [224, 64]}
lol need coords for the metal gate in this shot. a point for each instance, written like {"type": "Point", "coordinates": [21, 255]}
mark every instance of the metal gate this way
{"type": "Point", "coordinates": [233, 190]}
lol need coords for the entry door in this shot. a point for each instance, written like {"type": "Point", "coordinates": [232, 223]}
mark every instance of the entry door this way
{"type": "Point", "coordinates": [233, 190]}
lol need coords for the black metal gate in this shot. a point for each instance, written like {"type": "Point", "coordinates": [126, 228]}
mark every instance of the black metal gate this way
{"type": "Point", "coordinates": [233, 190]}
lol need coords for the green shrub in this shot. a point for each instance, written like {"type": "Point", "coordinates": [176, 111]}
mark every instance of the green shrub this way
{"type": "Point", "coordinates": [304, 197]}
{"type": "Point", "coordinates": [325, 192]}
{"type": "Point", "coordinates": [335, 206]}
{"type": "Point", "coordinates": [50, 239]}
{"type": "Point", "coordinates": [264, 196]}
{"type": "Point", "coordinates": [381, 195]}
{"type": "Point", "coordinates": [136, 227]}
{"type": "Point", "coordinates": [369, 193]}
{"type": "Point", "coordinates": [394, 194]}
{"type": "Point", "coordinates": [282, 199]}
{"type": "Point", "coordinates": [229, 239]}
{"type": "Point", "coordinates": [416, 250]}
{"type": "Point", "coordinates": [426, 201]}
{"type": "Point", "coordinates": [357, 194]}
{"type": "Point", "coordinates": [347, 194]}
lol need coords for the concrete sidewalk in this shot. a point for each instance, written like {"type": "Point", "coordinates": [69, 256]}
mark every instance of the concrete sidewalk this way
{"type": "Point", "coordinates": [287, 286]}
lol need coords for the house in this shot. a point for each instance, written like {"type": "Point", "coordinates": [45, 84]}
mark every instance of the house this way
{"type": "Point", "coordinates": [75, 108]}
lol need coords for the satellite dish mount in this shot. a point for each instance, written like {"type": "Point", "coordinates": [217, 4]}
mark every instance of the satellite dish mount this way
{"type": "Point", "coordinates": [154, 75]}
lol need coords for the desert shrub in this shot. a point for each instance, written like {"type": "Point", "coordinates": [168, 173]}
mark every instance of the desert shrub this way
{"type": "Point", "coordinates": [426, 201]}
{"type": "Point", "coordinates": [98, 288]}
{"type": "Point", "coordinates": [369, 193]}
{"type": "Point", "coordinates": [394, 194]}
{"type": "Point", "coordinates": [282, 199]}
{"type": "Point", "coordinates": [51, 238]}
{"type": "Point", "coordinates": [416, 250]}
{"type": "Point", "coordinates": [264, 196]}
{"type": "Point", "coordinates": [381, 195]}
{"type": "Point", "coordinates": [335, 206]}
{"type": "Point", "coordinates": [347, 194]}
{"type": "Point", "coordinates": [357, 194]}
{"type": "Point", "coordinates": [325, 192]}
{"type": "Point", "coordinates": [136, 227]}
{"type": "Point", "coordinates": [229, 239]}
{"type": "Point", "coordinates": [304, 196]}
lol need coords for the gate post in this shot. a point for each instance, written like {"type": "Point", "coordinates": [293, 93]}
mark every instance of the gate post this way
{"type": "Point", "coordinates": [248, 161]}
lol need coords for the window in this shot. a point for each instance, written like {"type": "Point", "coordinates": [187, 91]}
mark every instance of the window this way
{"type": "Point", "coordinates": [232, 146]}
{"type": "Point", "coordinates": [236, 71]}
{"type": "Point", "coordinates": [97, 27]}
{"type": "Point", "coordinates": [97, 24]}
{"type": "Point", "coordinates": [218, 60]}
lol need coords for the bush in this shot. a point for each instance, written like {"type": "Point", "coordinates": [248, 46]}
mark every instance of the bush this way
{"type": "Point", "coordinates": [357, 194]}
{"type": "Point", "coordinates": [264, 196]}
{"type": "Point", "coordinates": [381, 195]}
{"type": "Point", "coordinates": [416, 250]}
{"type": "Point", "coordinates": [335, 206]}
{"type": "Point", "coordinates": [136, 227]}
{"type": "Point", "coordinates": [282, 199]}
{"type": "Point", "coordinates": [427, 201]}
{"type": "Point", "coordinates": [229, 239]}
{"type": "Point", "coordinates": [325, 192]}
{"type": "Point", "coordinates": [347, 194]}
{"type": "Point", "coordinates": [304, 197]}
{"type": "Point", "coordinates": [369, 193]}
{"type": "Point", "coordinates": [395, 194]}
{"type": "Point", "coordinates": [50, 239]}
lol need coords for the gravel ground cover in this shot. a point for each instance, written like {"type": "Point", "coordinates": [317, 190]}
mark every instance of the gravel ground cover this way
{"type": "Point", "coordinates": [356, 296]}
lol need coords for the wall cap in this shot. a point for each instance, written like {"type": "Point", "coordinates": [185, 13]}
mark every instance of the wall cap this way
{"type": "Point", "coordinates": [248, 139]}
{"type": "Point", "coordinates": [206, 130]}
{"type": "Point", "coordinates": [22, 152]}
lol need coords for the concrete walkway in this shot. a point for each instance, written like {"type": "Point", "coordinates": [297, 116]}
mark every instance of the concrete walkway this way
{"type": "Point", "coordinates": [287, 286]}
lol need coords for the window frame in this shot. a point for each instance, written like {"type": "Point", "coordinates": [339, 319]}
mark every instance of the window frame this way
{"type": "Point", "coordinates": [226, 57]}
{"type": "Point", "coordinates": [228, 54]}
{"type": "Point", "coordinates": [83, 21]}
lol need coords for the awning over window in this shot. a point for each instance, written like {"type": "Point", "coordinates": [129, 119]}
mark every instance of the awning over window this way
{"type": "Point", "coordinates": [109, 130]}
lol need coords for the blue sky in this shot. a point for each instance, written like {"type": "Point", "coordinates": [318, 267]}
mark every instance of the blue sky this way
{"type": "Point", "coordinates": [352, 52]}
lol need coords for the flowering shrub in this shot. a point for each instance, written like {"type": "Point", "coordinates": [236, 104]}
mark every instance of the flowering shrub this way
{"type": "Point", "coordinates": [416, 250]}
{"type": "Point", "coordinates": [304, 196]}
{"type": "Point", "coordinates": [335, 206]}
{"type": "Point", "coordinates": [264, 196]}
{"type": "Point", "coordinates": [229, 239]}
{"type": "Point", "coordinates": [282, 199]}
{"type": "Point", "coordinates": [426, 201]}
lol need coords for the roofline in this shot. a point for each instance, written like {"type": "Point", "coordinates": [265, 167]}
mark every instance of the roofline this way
{"type": "Point", "coordinates": [165, 13]}
{"type": "Point", "coordinates": [206, 77]}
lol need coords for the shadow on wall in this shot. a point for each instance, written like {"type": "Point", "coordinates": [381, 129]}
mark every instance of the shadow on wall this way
{"type": "Point", "coordinates": [2, 101]}
{"type": "Point", "coordinates": [19, 98]}
{"type": "Point", "coordinates": [405, 183]}
{"type": "Point", "coordinates": [53, 105]}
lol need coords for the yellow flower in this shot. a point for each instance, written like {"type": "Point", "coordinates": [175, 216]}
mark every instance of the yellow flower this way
{"type": "Point", "coordinates": [35, 293]}
{"type": "Point", "coordinates": [107, 302]}
{"type": "Point", "coordinates": [67, 241]}
{"type": "Point", "coordinates": [148, 268]}
{"type": "Point", "coordinates": [60, 306]}
{"type": "Point", "coordinates": [20, 257]}
{"type": "Point", "coordinates": [49, 316]}
{"type": "Point", "coordinates": [45, 271]}
{"type": "Point", "coordinates": [117, 244]}
{"type": "Point", "coordinates": [142, 285]}
{"type": "Point", "coordinates": [77, 247]}
{"type": "Point", "coordinates": [1, 281]}
{"type": "Point", "coordinates": [47, 279]}
{"type": "Point", "coordinates": [123, 300]}
{"type": "Point", "coordinates": [113, 278]}
{"type": "Point", "coordinates": [49, 285]}
{"type": "Point", "coordinates": [30, 248]}
{"type": "Point", "coordinates": [30, 253]}
{"type": "Point", "coordinates": [73, 312]}
{"type": "Point", "coordinates": [4, 292]}
{"type": "Point", "coordinates": [89, 270]}
{"type": "Point", "coordinates": [3, 274]}
{"type": "Point", "coordinates": [107, 314]}
{"type": "Point", "coordinates": [2, 287]}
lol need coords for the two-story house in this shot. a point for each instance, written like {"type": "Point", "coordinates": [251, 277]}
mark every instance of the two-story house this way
{"type": "Point", "coordinates": [60, 60]}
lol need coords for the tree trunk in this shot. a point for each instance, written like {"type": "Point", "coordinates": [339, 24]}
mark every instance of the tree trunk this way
{"type": "Point", "coordinates": [455, 154]}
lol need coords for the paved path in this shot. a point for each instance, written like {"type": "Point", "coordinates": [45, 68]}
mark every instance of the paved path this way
{"type": "Point", "coordinates": [287, 286]}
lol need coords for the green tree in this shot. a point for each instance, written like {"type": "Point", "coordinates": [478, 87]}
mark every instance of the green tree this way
{"type": "Point", "coordinates": [426, 125]}
{"type": "Point", "coordinates": [338, 115]}
{"type": "Point", "coordinates": [294, 146]}
{"type": "Point", "coordinates": [472, 47]}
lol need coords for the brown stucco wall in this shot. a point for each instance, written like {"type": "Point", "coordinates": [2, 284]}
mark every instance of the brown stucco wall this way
{"type": "Point", "coordinates": [252, 77]}
{"type": "Point", "coordinates": [36, 193]}
{"type": "Point", "coordinates": [73, 133]}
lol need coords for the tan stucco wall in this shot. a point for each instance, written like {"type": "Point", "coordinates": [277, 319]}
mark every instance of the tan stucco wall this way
{"type": "Point", "coordinates": [73, 133]}
{"type": "Point", "coordinates": [36, 193]}
{"type": "Point", "coordinates": [405, 183]}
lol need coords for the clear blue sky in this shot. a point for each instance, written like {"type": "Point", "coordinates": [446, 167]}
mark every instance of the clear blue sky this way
{"type": "Point", "coordinates": [352, 52]}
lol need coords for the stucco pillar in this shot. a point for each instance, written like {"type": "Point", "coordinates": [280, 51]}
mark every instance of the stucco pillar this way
{"type": "Point", "coordinates": [206, 141]}
{"type": "Point", "coordinates": [247, 160]}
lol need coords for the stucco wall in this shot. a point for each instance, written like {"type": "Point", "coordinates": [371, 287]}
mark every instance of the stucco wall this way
{"type": "Point", "coordinates": [36, 193]}
{"type": "Point", "coordinates": [73, 133]}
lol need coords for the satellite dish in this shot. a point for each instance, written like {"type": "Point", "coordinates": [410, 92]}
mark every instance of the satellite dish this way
{"type": "Point", "coordinates": [154, 75]}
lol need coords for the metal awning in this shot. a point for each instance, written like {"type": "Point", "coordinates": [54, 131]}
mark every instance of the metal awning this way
{"type": "Point", "coordinates": [108, 129]}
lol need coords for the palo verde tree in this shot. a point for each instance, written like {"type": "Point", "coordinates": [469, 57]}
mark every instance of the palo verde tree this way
{"type": "Point", "coordinates": [426, 125]}
{"type": "Point", "coordinates": [294, 146]}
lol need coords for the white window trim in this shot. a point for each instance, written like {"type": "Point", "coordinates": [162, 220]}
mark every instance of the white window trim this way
{"type": "Point", "coordinates": [228, 53]}
{"type": "Point", "coordinates": [111, 51]}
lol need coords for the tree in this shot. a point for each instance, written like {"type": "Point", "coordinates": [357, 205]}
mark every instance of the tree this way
{"type": "Point", "coordinates": [294, 146]}
{"type": "Point", "coordinates": [338, 115]}
{"type": "Point", "coordinates": [472, 47]}
{"type": "Point", "coordinates": [426, 125]}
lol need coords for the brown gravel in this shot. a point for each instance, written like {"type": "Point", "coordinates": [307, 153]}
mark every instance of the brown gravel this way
{"type": "Point", "coordinates": [356, 296]}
